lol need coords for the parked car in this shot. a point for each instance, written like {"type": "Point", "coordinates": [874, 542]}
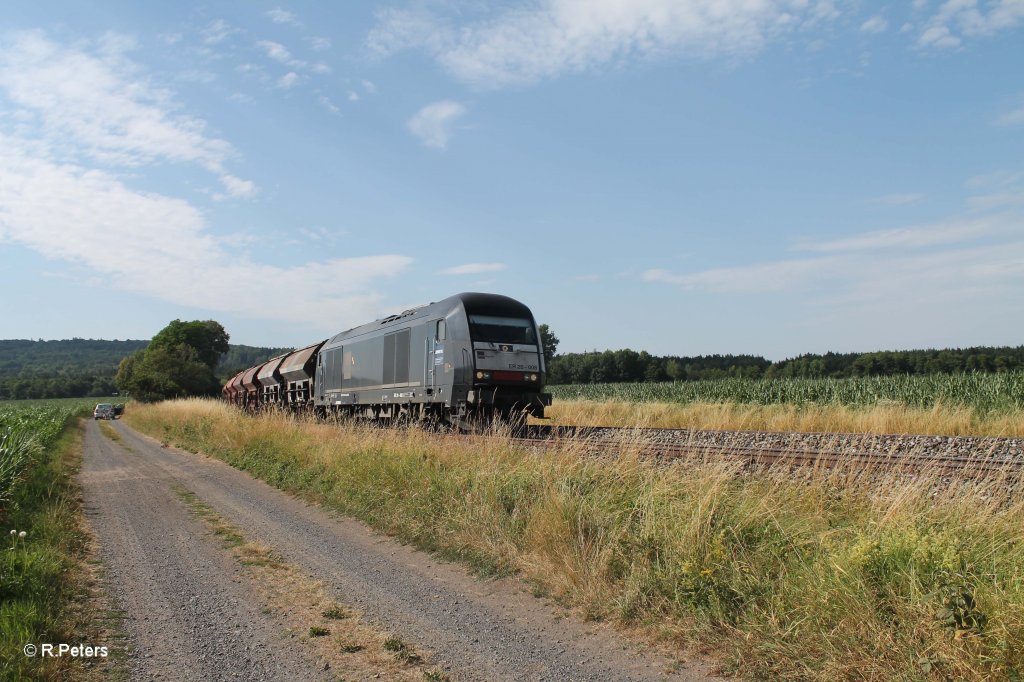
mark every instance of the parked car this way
{"type": "Point", "coordinates": [118, 410]}
{"type": "Point", "coordinates": [103, 411]}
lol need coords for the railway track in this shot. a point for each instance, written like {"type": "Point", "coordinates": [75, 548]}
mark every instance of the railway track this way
{"type": "Point", "coordinates": [912, 454]}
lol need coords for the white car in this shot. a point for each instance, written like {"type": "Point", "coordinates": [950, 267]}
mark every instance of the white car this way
{"type": "Point", "coordinates": [103, 411]}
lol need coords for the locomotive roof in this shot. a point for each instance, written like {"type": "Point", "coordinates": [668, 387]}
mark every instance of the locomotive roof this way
{"type": "Point", "coordinates": [494, 304]}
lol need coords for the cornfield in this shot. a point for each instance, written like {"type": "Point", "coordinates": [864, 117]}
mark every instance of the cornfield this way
{"type": "Point", "coordinates": [25, 428]}
{"type": "Point", "coordinates": [986, 393]}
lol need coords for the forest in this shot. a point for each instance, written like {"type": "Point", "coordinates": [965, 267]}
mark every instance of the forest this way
{"type": "Point", "coordinates": [77, 368]}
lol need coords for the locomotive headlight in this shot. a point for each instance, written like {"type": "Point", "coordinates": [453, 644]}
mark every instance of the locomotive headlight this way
{"type": "Point", "coordinates": [483, 375]}
{"type": "Point", "coordinates": [533, 377]}
{"type": "Point", "coordinates": [479, 375]}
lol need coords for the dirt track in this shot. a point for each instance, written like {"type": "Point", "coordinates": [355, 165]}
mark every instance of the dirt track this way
{"type": "Point", "coordinates": [192, 615]}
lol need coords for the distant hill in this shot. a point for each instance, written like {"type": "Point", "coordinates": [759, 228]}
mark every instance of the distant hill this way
{"type": "Point", "coordinates": [74, 368]}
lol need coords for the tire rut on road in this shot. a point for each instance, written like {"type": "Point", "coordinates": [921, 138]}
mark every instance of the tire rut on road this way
{"type": "Point", "coordinates": [479, 630]}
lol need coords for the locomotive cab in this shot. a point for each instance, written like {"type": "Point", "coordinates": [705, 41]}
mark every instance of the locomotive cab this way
{"type": "Point", "coordinates": [506, 363]}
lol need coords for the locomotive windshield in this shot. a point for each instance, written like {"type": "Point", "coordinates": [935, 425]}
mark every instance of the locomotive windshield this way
{"type": "Point", "coordinates": [501, 329]}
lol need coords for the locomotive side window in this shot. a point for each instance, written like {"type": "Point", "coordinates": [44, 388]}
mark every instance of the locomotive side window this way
{"type": "Point", "coordinates": [501, 329]}
{"type": "Point", "coordinates": [442, 330]}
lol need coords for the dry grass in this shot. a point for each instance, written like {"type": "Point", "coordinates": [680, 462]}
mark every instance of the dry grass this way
{"type": "Point", "coordinates": [890, 418]}
{"type": "Point", "coordinates": [837, 575]}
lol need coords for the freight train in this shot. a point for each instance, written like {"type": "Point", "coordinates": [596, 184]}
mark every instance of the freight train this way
{"type": "Point", "coordinates": [466, 360]}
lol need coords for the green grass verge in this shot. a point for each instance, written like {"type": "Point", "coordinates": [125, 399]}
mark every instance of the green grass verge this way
{"type": "Point", "coordinates": [827, 576]}
{"type": "Point", "coordinates": [42, 578]}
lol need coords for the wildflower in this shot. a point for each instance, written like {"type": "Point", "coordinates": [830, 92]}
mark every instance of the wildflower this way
{"type": "Point", "coordinates": [14, 532]}
{"type": "Point", "coordinates": [22, 534]}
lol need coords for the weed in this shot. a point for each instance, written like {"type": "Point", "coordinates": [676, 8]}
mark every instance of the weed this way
{"type": "Point", "coordinates": [401, 650]}
{"type": "Point", "coordinates": [317, 631]}
{"type": "Point", "coordinates": [337, 612]}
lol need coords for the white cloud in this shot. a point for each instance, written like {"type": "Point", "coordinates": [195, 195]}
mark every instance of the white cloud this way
{"type": "Point", "coordinates": [217, 32]}
{"type": "Point", "coordinates": [876, 24]}
{"type": "Point", "coordinates": [958, 19]}
{"type": "Point", "coordinates": [1012, 118]}
{"type": "Point", "coordinates": [282, 16]}
{"type": "Point", "coordinates": [237, 187]}
{"type": "Point", "coordinates": [279, 53]}
{"type": "Point", "coordinates": [288, 81]}
{"type": "Point", "coordinates": [938, 36]}
{"type": "Point", "coordinates": [998, 190]}
{"type": "Point", "coordinates": [553, 37]}
{"type": "Point", "coordinates": [369, 86]}
{"type": "Point", "coordinates": [997, 179]}
{"type": "Point", "coordinates": [353, 96]}
{"type": "Point", "coordinates": [196, 76]}
{"type": "Point", "coordinates": [327, 104]}
{"type": "Point", "coordinates": [473, 268]}
{"type": "Point", "coordinates": [432, 124]}
{"type": "Point", "coordinates": [319, 44]}
{"type": "Point", "coordinates": [96, 107]}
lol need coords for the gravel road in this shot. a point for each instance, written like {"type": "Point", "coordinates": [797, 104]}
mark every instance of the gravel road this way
{"type": "Point", "coordinates": [190, 617]}
{"type": "Point", "coordinates": [188, 614]}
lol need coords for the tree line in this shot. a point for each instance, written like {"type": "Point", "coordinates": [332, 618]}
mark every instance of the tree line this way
{"type": "Point", "coordinates": [627, 365]}
{"type": "Point", "coordinates": [77, 368]}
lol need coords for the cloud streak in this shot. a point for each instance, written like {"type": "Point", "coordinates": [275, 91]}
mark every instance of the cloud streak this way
{"type": "Point", "coordinates": [554, 37]}
{"type": "Point", "coordinates": [925, 264]}
{"type": "Point", "coordinates": [473, 268]}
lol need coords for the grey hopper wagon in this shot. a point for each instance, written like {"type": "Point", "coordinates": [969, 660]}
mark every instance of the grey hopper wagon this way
{"type": "Point", "coordinates": [297, 374]}
{"type": "Point", "coordinates": [269, 377]}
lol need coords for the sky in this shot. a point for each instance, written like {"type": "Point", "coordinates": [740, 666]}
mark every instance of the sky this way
{"type": "Point", "coordinates": [772, 177]}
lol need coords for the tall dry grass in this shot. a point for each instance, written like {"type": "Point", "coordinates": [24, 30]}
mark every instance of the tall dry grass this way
{"type": "Point", "coordinates": [837, 575]}
{"type": "Point", "coordinates": [894, 418]}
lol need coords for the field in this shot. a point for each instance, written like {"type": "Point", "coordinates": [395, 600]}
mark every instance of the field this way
{"type": "Point", "coordinates": [41, 539]}
{"type": "Point", "coordinates": [964, 404]}
{"type": "Point", "coordinates": [837, 575]}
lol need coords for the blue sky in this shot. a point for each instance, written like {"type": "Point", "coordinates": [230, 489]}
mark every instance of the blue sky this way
{"type": "Point", "coordinates": [684, 177]}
